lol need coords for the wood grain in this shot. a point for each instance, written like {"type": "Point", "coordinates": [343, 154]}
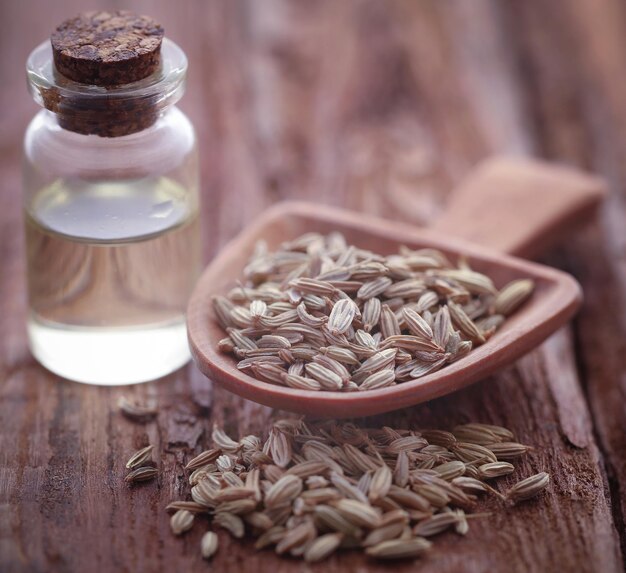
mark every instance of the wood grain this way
{"type": "Point", "coordinates": [381, 107]}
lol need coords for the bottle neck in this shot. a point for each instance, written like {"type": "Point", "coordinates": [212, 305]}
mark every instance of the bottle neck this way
{"type": "Point", "coordinates": [107, 112]}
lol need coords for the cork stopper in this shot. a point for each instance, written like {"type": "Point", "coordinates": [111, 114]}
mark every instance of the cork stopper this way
{"type": "Point", "coordinates": [109, 74]}
{"type": "Point", "coordinates": [107, 48]}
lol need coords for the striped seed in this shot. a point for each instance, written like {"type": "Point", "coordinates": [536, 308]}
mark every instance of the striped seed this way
{"type": "Point", "coordinates": [308, 468]}
{"type": "Point", "coordinates": [270, 537]}
{"type": "Point", "coordinates": [328, 379]}
{"type": "Point", "coordinates": [407, 443]}
{"type": "Point", "coordinates": [320, 495]}
{"type": "Point", "coordinates": [334, 366]}
{"type": "Point", "coordinates": [302, 382]}
{"type": "Point", "coordinates": [296, 536]}
{"type": "Point", "coordinates": [233, 493]}
{"type": "Point", "coordinates": [322, 547]}
{"type": "Point", "coordinates": [223, 441]}
{"type": "Point", "coordinates": [222, 308]}
{"type": "Point", "coordinates": [139, 457]}
{"type": "Point", "coordinates": [428, 300]}
{"type": "Point", "coordinates": [508, 450]}
{"type": "Point", "coordinates": [468, 452]}
{"type": "Point", "coordinates": [495, 469]}
{"type": "Point", "coordinates": [269, 372]}
{"type": "Point", "coordinates": [377, 361]}
{"type": "Point", "coordinates": [359, 513]}
{"type": "Point", "coordinates": [346, 488]}
{"type": "Point", "coordinates": [475, 283]}
{"type": "Point", "coordinates": [380, 484]}
{"type": "Point", "coordinates": [273, 341]}
{"type": "Point", "coordinates": [280, 448]}
{"type": "Point", "coordinates": [142, 473]}
{"type": "Point", "coordinates": [401, 470]}
{"type": "Point", "coordinates": [209, 545]}
{"type": "Point", "coordinates": [436, 524]}
{"type": "Point", "coordinates": [373, 288]}
{"type": "Point", "coordinates": [464, 323]}
{"type": "Point", "coordinates": [309, 319]}
{"type": "Point", "coordinates": [241, 341]}
{"type": "Point", "coordinates": [379, 379]}
{"type": "Point", "coordinates": [450, 470]}
{"type": "Point", "coordinates": [313, 286]}
{"type": "Point", "coordinates": [425, 368]}
{"type": "Point", "coordinates": [181, 521]}
{"type": "Point", "coordinates": [442, 327]}
{"type": "Point", "coordinates": [371, 313]}
{"type": "Point", "coordinates": [343, 355]}
{"type": "Point", "coordinates": [410, 343]}
{"type": "Point", "coordinates": [231, 523]}
{"type": "Point", "coordinates": [296, 368]}
{"type": "Point", "coordinates": [365, 340]}
{"type": "Point", "coordinates": [332, 519]}
{"type": "Point", "coordinates": [389, 325]}
{"type": "Point", "coordinates": [287, 488]}
{"type": "Point", "coordinates": [408, 288]}
{"type": "Point", "coordinates": [258, 520]}
{"type": "Point", "coordinates": [409, 499]}
{"type": "Point", "coordinates": [241, 317]}
{"type": "Point", "coordinates": [417, 325]}
{"type": "Point", "coordinates": [190, 506]}
{"type": "Point", "coordinates": [342, 315]}
{"type": "Point", "coordinates": [383, 533]}
{"type": "Point", "coordinates": [529, 487]}
{"type": "Point", "coordinates": [439, 438]}
{"type": "Point", "coordinates": [513, 295]}
{"type": "Point", "coordinates": [475, 434]}
{"type": "Point", "coordinates": [257, 308]}
{"type": "Point", "coordinates": [399, 548]}
{"type": "Point", "coordinates": [470, 485]}
{"type": "Point", "coordinates": [279, 321]}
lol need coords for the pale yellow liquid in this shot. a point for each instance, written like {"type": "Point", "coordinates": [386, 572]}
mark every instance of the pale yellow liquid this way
{"type": "Point", "coordinates": [110, 268]}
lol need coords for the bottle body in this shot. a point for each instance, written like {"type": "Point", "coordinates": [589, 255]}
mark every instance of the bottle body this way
{"type": "Point", "coordinates": [113, 248]}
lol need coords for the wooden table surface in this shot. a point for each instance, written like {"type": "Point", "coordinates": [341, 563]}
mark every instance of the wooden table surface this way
{"type": "Point", "coordinates": [381, 107]}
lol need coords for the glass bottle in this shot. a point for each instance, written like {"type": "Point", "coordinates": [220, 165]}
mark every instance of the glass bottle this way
{"type": "Point", "coordinates": [112, 229]}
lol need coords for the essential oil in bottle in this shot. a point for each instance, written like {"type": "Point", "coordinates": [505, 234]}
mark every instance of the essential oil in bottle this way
{"type": "Point", "coordinates": [110, 203]}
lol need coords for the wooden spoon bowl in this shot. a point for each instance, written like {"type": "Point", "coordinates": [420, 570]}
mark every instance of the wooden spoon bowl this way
{"type": "Point", "coordinates": [555, 300]}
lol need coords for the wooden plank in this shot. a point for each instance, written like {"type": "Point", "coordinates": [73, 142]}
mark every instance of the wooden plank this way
{"type": "Point", "coordinates": [381, 108]}
{"type": "Point", "coordinates": [580, 120]}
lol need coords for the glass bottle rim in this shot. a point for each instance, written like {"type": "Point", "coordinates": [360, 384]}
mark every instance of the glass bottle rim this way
{"type": "Point", "coordinates": [59, 94]}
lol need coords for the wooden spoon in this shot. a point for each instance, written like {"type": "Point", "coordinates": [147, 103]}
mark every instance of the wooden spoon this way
{"type": "Point", "coordinates": [517, 207]}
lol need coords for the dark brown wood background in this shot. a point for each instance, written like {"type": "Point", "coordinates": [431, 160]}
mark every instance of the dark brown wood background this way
{"type": "Point", "coordinates": [380, 106]}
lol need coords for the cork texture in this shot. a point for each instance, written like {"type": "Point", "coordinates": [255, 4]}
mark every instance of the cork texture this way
{"type": "Point", "coordinates": [107, 48]}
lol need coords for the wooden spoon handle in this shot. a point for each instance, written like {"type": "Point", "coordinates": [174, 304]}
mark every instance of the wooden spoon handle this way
{"type": "Point", "coordinates": [520, 206]}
